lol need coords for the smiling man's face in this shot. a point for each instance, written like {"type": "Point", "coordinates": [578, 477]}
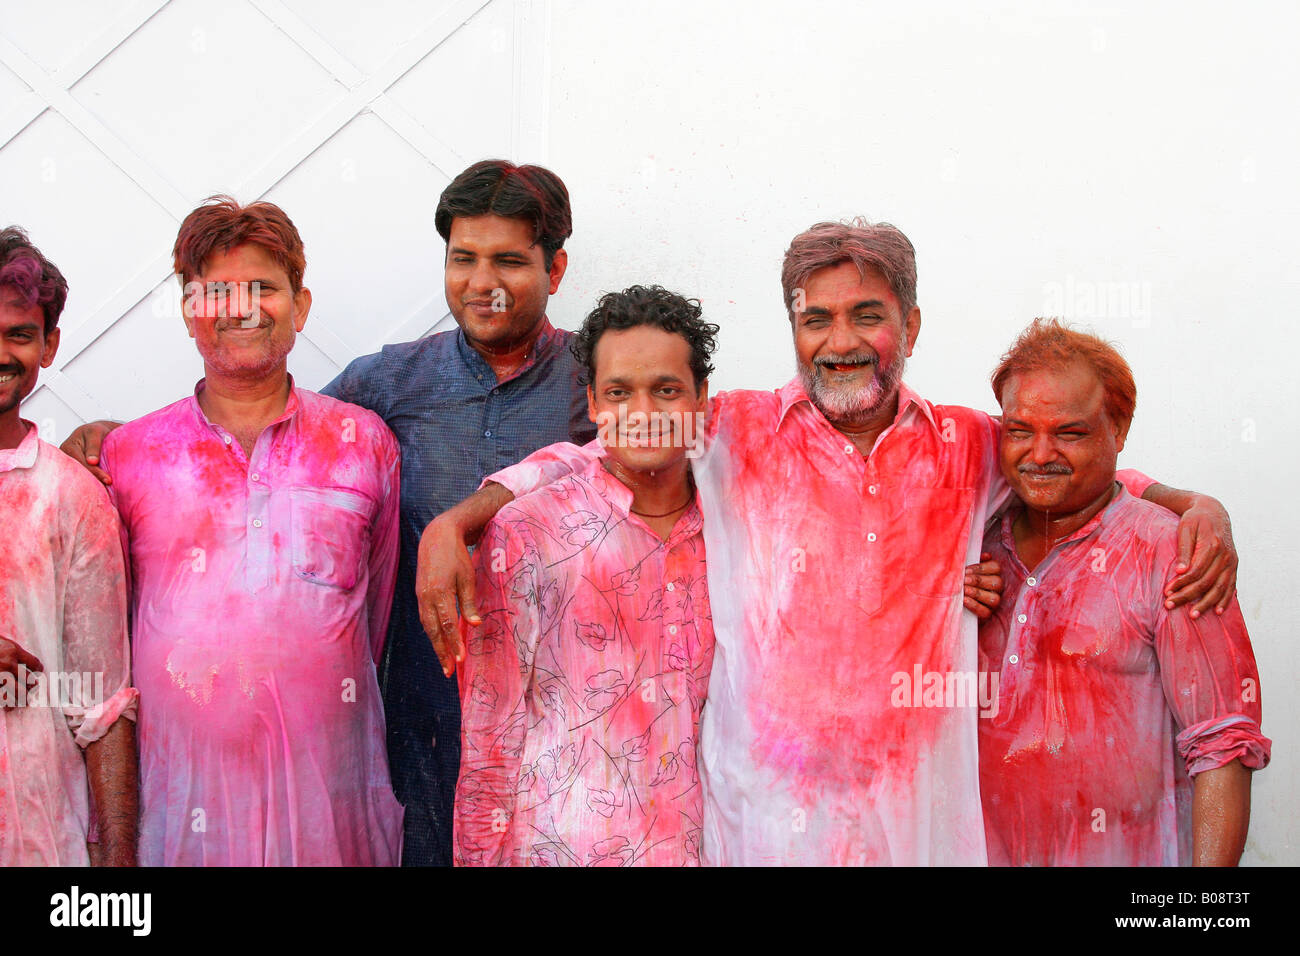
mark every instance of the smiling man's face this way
{"type": "Point", "coordinates": [1059, 447]}
{"type": "Point", "coordinates": [852, 341]}
{"type": "Point", "coordinates": [242, 311]}
{"type": "Point", "coordinates": [25, 349]}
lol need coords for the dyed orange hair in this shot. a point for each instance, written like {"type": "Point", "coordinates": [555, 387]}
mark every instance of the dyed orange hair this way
{"type": "Point", "coordinates": [221, 224]}
{"type": "Point", "coordinates": [1050, 344]}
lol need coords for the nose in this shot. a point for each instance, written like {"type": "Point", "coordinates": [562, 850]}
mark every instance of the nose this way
{"type": "Point", "coordinates": [483, 279]}
{"type": "Point", "coordinates": [1043, 449]}
{"type": "Point", "coordinates": [843, 339]}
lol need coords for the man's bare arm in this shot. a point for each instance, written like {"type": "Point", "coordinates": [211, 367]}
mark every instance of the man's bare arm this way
{"type": "Point", "coordinates": [1207, 559]}
{"type": "Point", "coordinates": [83, 446]}
{"type": "Point", "coordinates": [112, 768]}
{"type": "Point", "coordinates": [444, 572]}
{"type": "Point", "coordinates": [1220, 815]}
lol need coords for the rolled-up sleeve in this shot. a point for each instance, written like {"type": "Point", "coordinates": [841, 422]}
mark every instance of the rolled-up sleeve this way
{"type": "Point", "coordinates": [1211, 683]}
{"type": "Point", "coordinates": [96, 648]}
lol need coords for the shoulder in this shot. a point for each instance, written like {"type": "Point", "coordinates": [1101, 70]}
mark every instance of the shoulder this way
{"type": "Point", "coordinates": [160, 425]}
{"type": "Point", "coordinates": [354, 424]}
{"type": "Point", "coordinates": [369, 377]}
{"type": "Point", "coordinates": [83, 501]}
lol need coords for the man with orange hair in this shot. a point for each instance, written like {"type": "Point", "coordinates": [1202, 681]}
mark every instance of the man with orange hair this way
{"type": "Point", "coordinates": [1108, 700]}
{"type": "Point", "coordinates": [261, 524]}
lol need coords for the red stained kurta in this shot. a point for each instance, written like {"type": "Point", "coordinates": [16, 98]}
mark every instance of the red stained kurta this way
{"type": "Point", "coordinates": [1106, 700]}
{"type": "Point", "coordinates": [63, 600]}
{"type": "Point", "coordinates": [581, 691]}
{"type": "Point", "coordinates": [261, 589]}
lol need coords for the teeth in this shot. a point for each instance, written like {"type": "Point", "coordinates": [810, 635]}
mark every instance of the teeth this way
{"type": "Point", "coordinates": [7, 378]}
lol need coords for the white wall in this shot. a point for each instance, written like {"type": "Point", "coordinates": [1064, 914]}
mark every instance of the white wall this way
{"type": "Point", "coordinates": [1134, 169]}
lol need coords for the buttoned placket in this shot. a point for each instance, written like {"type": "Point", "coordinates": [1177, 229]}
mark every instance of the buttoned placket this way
{"type": "Point", "coordinates": [258, 529]}
{"type": "Point", "coordinates": [1021, 650]}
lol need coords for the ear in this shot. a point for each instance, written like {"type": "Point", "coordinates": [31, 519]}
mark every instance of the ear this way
{"type": "Point", "coordinates": [912, 328]}
{"type": "Point", "coordinates": [591, 405]}
{"type": "Point", "coordinates": [1121, 434]}
{"type": "Point", "coordinates": [50, 348]}
{"type": "Point", "coordinates": [301, 306]}
{"type": "Point", "coordinates": [702, 396]}
{"type": "Point", "coordinates": [558, 265]}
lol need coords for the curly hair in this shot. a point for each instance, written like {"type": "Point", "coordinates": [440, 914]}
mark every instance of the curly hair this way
{"type": "Point", "coordinates": [34, 278]}
{"type": "Point", "coordinates": [1051, 344]}
{"type": "Point", "coordinates": [498, 187]}
{"type": "Point", "coordinates": [647, 305]}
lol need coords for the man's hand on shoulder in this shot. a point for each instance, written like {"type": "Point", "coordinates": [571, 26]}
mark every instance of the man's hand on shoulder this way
{"type": "Point", "coordinates": [1207, 559]}
{"type": "Point", "coordinates": [83, 447]}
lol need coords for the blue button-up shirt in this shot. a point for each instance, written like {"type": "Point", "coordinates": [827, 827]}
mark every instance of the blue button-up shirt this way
{"type": "Point", "coordinates": [456, 424]}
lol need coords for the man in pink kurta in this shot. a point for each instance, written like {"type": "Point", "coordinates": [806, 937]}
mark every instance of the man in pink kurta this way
{"type": "Point", "coordinates": [261, 524]}
{"type": "Point", "coordinates": [1114, 713]}
{"type": "Point", "coordinates": [839, 512]}
{"type": "Point", "coordinates": [583, 688]}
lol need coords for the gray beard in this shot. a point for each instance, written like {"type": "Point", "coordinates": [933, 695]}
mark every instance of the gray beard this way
{"type": "Point", "coordinates": [854, 405]}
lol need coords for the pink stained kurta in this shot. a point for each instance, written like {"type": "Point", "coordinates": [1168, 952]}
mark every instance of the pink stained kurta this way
{"type": "Point", "coordinates": [836, 585]}
{"type": "Point", "coordinates": [581, 691]}
{"type": "Point", "coordinates": [63, 600]}
{"type": "Point", "coordinates": [1106, 700]}
{"type": "Point", "coordinates": [260, 590]}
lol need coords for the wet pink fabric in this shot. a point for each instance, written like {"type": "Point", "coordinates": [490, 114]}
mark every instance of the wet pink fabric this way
{"type": "Point", "coordinates": [63, 600]}
{"type": "Point", "coordinates": [1106, 700]}
{"type": "Point", "coordinates": [260, 592]}
{"type": "Point", "coordinates": [581, 691]}
{"type": "Point", "coordinates": [836, 583]}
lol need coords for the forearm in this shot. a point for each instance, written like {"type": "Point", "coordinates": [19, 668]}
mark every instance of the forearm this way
{"type": "Point", "coordinates": [1177, 500]}
{"type": "Point", "coordinates": [1220, 815]}
{"type": "Point", "coordinates": [112, 768]}
{"type": "Point", "coordinates": [472, 515]}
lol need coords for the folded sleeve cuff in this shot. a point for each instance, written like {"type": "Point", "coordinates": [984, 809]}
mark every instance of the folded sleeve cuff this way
{"type": "Point", "coordinates": [1215, 743]}
{"type": "Point", "coordinates": [89, 724]}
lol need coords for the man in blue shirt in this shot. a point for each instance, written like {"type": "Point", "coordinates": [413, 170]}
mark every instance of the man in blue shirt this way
{"type": "Point", "coordinates": [463, 404]}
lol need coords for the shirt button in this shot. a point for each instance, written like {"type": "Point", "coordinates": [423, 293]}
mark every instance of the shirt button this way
{"type": "Point", "coordinates": [1014, 659]}
{"type": "Point", "coordinates": [871, 536]}
{"type": "Point", "coordinates": [871, 489]}
{"type": "Point", "coordinates": [227, 439]}
{"type": "Point", "coordinates": [257, 522]}
{"type": "Point", "coordinates": [668, 586]}
{"type": "Point", "coordinates": [1022, 618]}
{"type": "Point", "coordinates": [848, 449]}
{"type": "Point", "coordinates": [488, 433]}
{"type": "Point", "coordinates": [254, 476]}
{"type": "Point", "coordinates": [672, 628]}
{"type": "Point", "coordinates": [1031, 581]}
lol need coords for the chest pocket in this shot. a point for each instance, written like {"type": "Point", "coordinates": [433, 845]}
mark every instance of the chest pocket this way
{"type": "Point", "coordinates": [941, 519]}
{"type": "Point", "coordinates": [331, 534]}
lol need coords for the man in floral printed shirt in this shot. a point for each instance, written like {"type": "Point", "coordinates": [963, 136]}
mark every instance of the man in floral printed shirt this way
{"type": "Point", "coordinates": [581, 692]}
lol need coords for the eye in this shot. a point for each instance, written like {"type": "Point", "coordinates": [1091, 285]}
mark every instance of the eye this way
{"type": "Point", "coordinates": [1019, 434]}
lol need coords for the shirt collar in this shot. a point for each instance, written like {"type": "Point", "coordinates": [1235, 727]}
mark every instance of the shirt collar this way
{"type": "Point", "coordinates": [1093, 526]}
{"type": "Point", "coordinates": [291, 406]}
{"type": "Point", "coordinates": [793, 393]}
{"type": "Point", "coordinates": [473, 359]}
{"type": "Point", "coordinates": [619, 497]}
{"type": "Point", "coordinates": [24, 456]}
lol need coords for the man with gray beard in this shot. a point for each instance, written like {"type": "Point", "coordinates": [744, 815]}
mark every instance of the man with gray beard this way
{"type": "Point", "coordinates": [839, 512]}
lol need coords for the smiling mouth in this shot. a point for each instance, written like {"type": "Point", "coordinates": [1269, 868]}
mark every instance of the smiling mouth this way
{"type": "Point", "coordinates": [847, 367]}
{"type": "Point", "coordinates": [8, 377]}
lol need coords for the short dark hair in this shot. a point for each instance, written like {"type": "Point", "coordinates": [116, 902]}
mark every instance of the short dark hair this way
{"type": "Point", "coordinates": [498, 187]}
{"type": "Point", "coordinates": [221, 224]}
{"type": "Point", "coordinates": [647, 305]}
{"type": "Point", "coordinates": [33, 277]}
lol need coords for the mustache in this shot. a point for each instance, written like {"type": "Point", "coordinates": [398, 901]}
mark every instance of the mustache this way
{"type": "Point", "coordinates": [855, 358]}
{"type": "Point", "coordinates": [1056, 469]}
{"type": "Point", "coordinates": [12, 370]}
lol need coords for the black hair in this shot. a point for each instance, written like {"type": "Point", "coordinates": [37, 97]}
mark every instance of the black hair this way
{"type": "Point", "coordinates": [647, 305]}
{"type": "Point", "coordinates": [498, 187]}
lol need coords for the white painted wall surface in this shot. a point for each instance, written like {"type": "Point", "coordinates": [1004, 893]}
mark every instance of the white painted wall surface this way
{"type": "Point", "coordinates": [1132, 168]}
